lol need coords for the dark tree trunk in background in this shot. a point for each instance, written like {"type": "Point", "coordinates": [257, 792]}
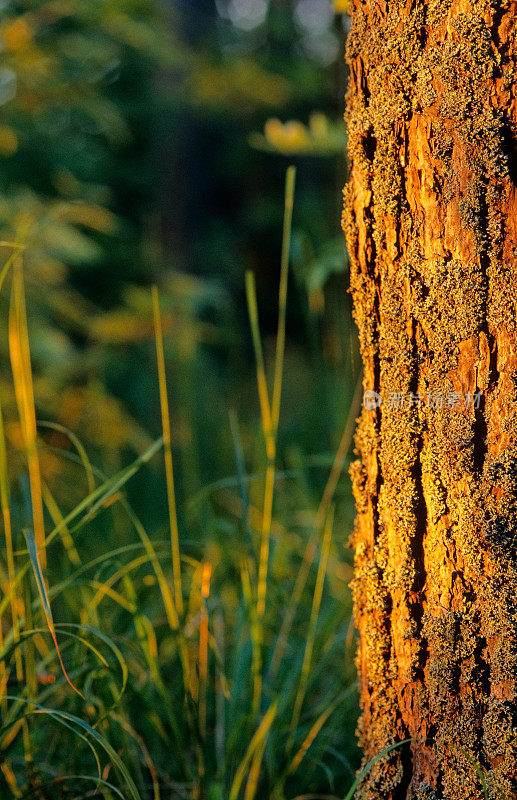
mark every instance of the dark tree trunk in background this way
{"type": "Point", "coordinates": [431, 221]}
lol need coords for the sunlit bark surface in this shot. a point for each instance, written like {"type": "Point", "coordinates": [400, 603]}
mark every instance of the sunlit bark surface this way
{"type": "Point", "coordinates": [431, 223]}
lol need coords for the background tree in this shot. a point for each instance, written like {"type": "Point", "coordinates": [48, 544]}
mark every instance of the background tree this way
{"type": "Point", "coordinates": [430, 219]}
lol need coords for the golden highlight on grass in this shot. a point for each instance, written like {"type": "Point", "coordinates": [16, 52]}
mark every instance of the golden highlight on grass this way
{"type": "Point", "coordinates": [259, 738]}
{"type": "Point", "coordinates": [254, 772]}
{"type": "Point", "coordinates": [309, 739]}
{"type": "Point", "coordinates": [58, 519]}
{"type": "Point", "coordinates": [169, 471]}
{"type": "Point", "coordinates": [22, 375]}
{"type": "Point", "coordinates": [270, 417]}
{"type": "Point", "coordinates": [282, 296]}
{"type": "Point", "coordinates": [316, 602]}
{"type": "Point", "coordinates": [203, 646]}
{"type": "Point", "coordinates": [265, 410]}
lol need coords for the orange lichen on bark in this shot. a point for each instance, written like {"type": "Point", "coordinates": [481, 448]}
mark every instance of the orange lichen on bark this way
{"type": "Point", "coordinates": [430, 216]}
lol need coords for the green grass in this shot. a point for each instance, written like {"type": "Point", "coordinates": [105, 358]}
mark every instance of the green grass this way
{"type": "Point", "coordinates": [210, 660]}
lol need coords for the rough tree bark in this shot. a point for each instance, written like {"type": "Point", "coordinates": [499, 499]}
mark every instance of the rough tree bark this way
{"type": "Point", "coordinates": [431, 222]}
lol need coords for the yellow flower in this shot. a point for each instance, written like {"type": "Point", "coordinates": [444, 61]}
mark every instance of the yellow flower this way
{"type": "Point", "coordinates": [341, 6]}
{"type": "Point", "coordinates": [289, 137]}
{"type": "Point", "coordinates": [16, 34]}
{"type": "Point", "coordinates": [295, 135]}
{"type": "Point", "coordinates": [274, 130]}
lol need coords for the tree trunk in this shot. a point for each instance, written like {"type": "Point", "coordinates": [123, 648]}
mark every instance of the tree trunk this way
{"type": "Point", "coordinates": [431, 222]}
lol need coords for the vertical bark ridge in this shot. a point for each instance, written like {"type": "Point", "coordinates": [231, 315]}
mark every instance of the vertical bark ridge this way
{"type": "Point", "coordinates": [430, 215]}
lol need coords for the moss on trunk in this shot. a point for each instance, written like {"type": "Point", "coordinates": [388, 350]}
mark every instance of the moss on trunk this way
{"type": "Point", "coordinates": [431, 223]}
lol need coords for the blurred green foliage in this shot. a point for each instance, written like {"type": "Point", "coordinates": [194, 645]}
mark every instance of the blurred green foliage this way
{"type": "Point", "coordinates": [132, 152]}
{"type": "Point", "coordinates": [142, 142]}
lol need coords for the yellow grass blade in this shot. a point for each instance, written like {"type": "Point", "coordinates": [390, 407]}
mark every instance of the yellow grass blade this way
{"type": "Point", "coordinates": [266, 537]}
{"type": "Point", "coordinates": [5, 269]}
{"type": "Point", "coordinates": [168, 600]}
{"type": "Point", "coordinates": [171, 497]}
{"type": "Point", "coordinates": [251, 296]}
{"type": "Point", "coordinates": [269, 436]}
{"type": "Point", "coordinates": [340, 457]}
{"type": "Point", "coordinates": [104, 590]}
{"type": "Point", "coordinates": [259, 737]}
{"type": "Point", "coordinates": [254, 773]}
{"type": "Point", "coordinates": [282, 296]}
{"type": "Point", "coordinates": [315, 729]}
{"type": "Point", "coordinates": [10, 777]}
{"type": "Point", "coordinates": [203, 647]}
{"type": "Point", "coordinates": [316, 602]}
{"type": "Point", "coordinates": [22, 375]}
{"type": "Point", "coordinates": [58, 519]}
{"type": "Point", "coordinates": [270, 413]}
{"type": "Point", "coordinates": [267, 516]}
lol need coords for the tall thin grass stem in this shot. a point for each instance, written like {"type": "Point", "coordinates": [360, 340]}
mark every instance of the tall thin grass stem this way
{"type": "Point", "coordinates": [257, 739]}
{"type": "Point", "coordinates": [316, 602]}
{"type": "Point", "coordinates": [169, 471]}
{"type": "Point", "coordinates": [265, 408]}
{"type": "Point", "coordinates": [282, 295]}
{"type": "Point", "coordinates": [270, 414]}
{"type": "Point", "coordinates": [22, 374]}
{"type": "Point", "coordinates": [203, 646]}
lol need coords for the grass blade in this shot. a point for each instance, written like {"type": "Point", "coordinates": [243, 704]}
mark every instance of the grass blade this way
{"type": "Point", "coordinates": [270, 413]}
{"type": "Point", "coordinates": [72, 722]}
{"type": "Point", "coordinates": [169, 472]}
{"type": "Point", "coordinates": [22, 375]}
{"type": "Point", "coordinates": [313, 732]}
{"type": "Point", "coordinates": [258, 738]}
{"type": "Point", "coordinates": [282, 296]}
{"type": "Point", "coordinates": [364, 772]}
{"type": "Point", "coordinates": [265, 409]}
{"type": "Point", "coordinates": [40, 581]}
{"type": "Point", "coordinates": [254, 773]}
{"type": "Point", "coordinates": [58, 519]}
{"type": "Point", "coordinates": [316, 602]}
{"type": "Point", "coordinates": [203, 646]}
{"type": "Point", "coordinates": [105, 491]}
